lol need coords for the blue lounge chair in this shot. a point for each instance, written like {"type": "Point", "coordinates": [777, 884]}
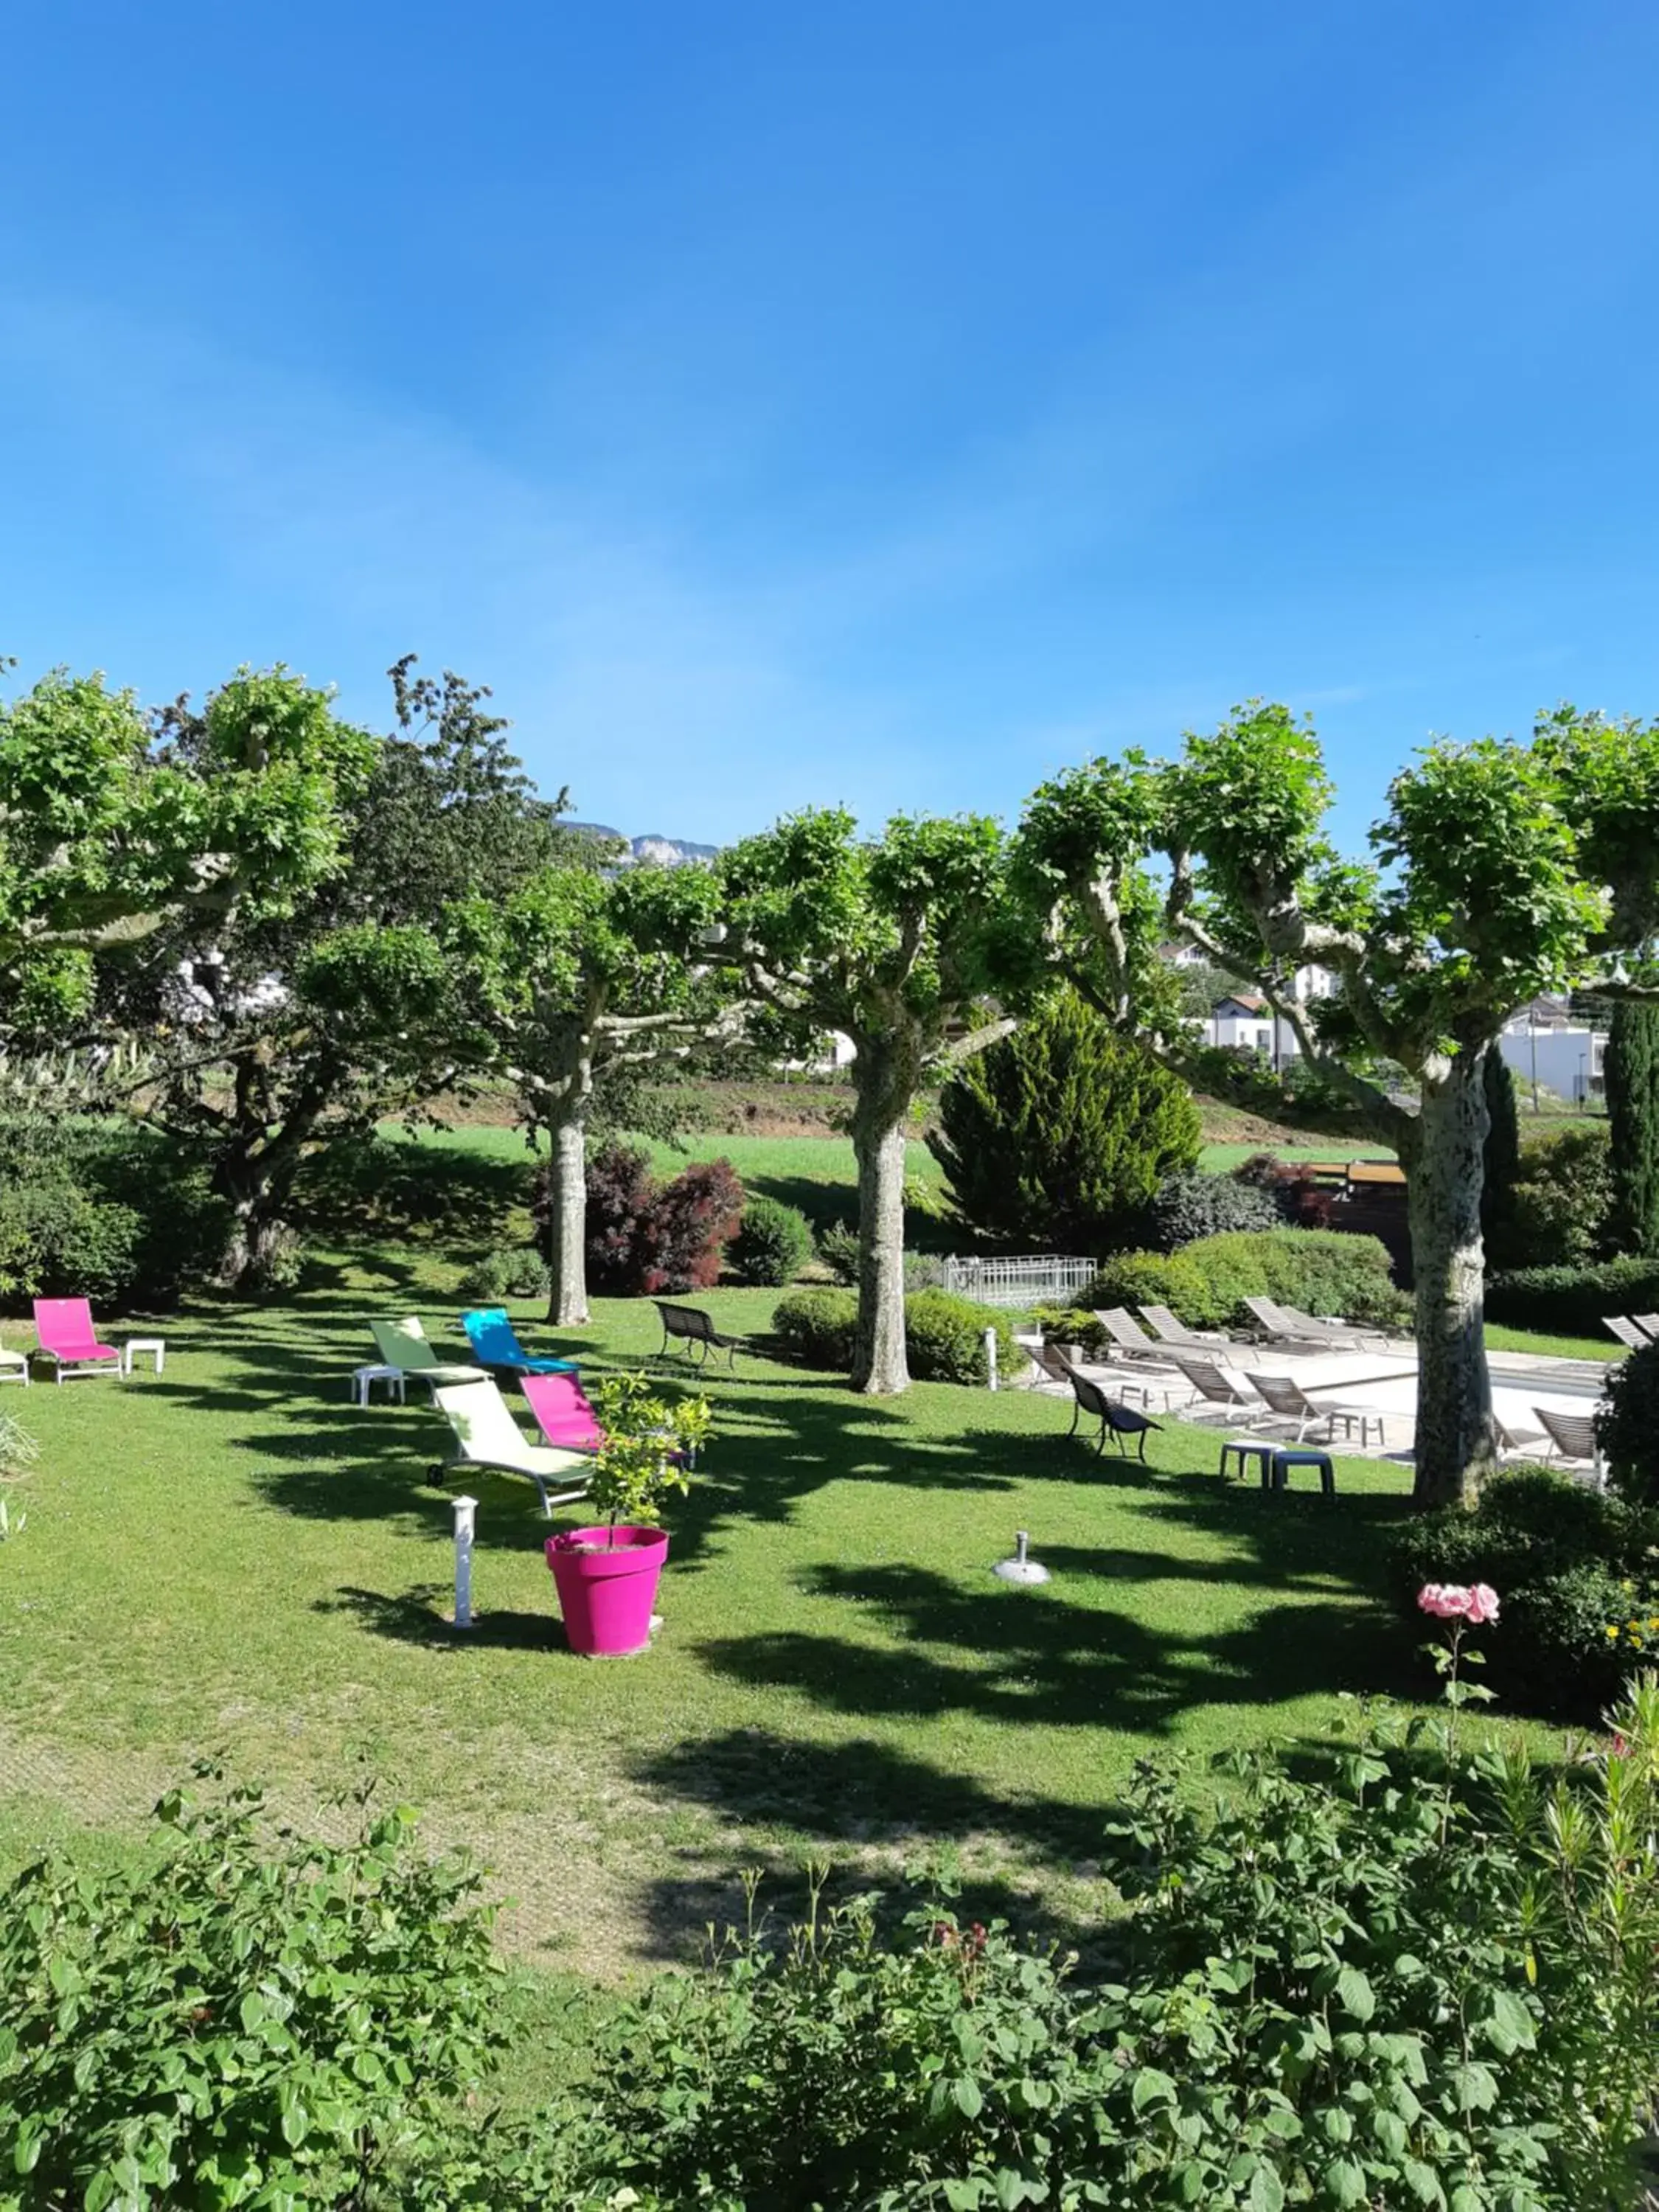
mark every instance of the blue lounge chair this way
{"type": "Point", "coordinates": [490, 1333]}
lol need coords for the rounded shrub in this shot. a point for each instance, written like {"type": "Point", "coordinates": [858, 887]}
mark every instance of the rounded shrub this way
{"type": "Point", "coordinates": [817, 1328]}
{"type": "Point", "coordinates": [773, 1243]}
{"type": "Point", "coordinates": [1193, 1204]}
{"type": "Point", "coordinates": [946, 1334]}
{"type": "Point", "coordinates": [519, 1272]}
{"type": "Point", "coordinates": [838, 1249]}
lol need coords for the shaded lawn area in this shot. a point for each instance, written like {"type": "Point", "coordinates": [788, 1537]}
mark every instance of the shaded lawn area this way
{"type": "Point", "coordinates": [234, 1558]}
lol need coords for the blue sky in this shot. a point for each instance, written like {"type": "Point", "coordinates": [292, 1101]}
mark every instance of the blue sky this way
{"type": "Point", "coordinates": [884, 405]}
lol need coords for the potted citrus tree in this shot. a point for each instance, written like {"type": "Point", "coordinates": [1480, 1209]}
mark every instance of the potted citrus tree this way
{"type": "Point", "coordinates": [607, 1577]}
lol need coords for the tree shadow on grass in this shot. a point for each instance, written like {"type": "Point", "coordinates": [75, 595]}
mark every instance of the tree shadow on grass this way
{"type": "Point", "coordinates": [1041, 1658]}
{"type": "Point", "coordinates": [847, 1801]}
{"type": "Point", "coordinates": [392, 1186]}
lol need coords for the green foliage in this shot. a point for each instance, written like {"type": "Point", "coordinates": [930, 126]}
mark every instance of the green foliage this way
{"type": "Point", "coordinates": [1192, 1204]}
{"type": "Point", "coordinates": [1572, 1301]}
{"type": "Point", "coordinates": [1566, 1561]}
{"type": "Point", "coordinates": [946, 1334]}
{"type": "Point", "coordinates": [57, 1237]}
{"type": "Point", "coordinates": [1560, 1201]}
{"type": "Point", "coordinates": [1627, 1426]}
{"type": "Point", "coordinates": [773, 1243]}
{"type": "Point", "coordinates": [106, 1211]}
{"type": "Point", "coordinates": [1410, 1976]}
{"type": "Point", "coordinates": [651, 1443]}
{"type": "Point", "coordinates": [1322, 1270]}
{"type": "Point", "coordinates": [1059, 1136]}
{"type": "Point", "coordinates": [515, 1271]}
{"type": "Point", "coordinates": [838, 1249]}
{"type": "Point", "coordinates": [1631, 1070]}
{"type": "Point", "coordinates": [239, 2020]}
{"type": "Point", "coordinates": [104, 836]}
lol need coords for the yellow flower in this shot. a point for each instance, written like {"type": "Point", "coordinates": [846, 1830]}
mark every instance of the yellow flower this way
{"type": "Point", "coordinates": [1613, 1628]}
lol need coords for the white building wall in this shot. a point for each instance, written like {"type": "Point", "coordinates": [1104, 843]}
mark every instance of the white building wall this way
{"type": "Point", "coordinates": [1567, 1061]}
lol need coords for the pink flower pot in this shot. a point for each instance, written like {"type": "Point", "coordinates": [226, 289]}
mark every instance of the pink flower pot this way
{"type": "Point", "coordinates": [607, 1595]}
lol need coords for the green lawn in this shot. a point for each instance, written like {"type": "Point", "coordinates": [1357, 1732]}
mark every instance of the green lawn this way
{"type": "Point", "coordinates": [233, 1558]}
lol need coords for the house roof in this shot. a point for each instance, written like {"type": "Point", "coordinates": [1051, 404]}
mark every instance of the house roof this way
{"type": "Point", "coordinates": [1247, 1001]}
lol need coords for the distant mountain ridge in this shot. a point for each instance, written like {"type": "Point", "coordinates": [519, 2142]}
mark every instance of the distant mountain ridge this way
{"type": "Point", "coordinates": [662, 852]}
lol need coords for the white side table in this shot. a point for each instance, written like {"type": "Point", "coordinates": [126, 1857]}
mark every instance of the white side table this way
{"type": "Point", "coordinates": [156, 1347]}
{"type": "Point", "coordinates": [363, 1380]}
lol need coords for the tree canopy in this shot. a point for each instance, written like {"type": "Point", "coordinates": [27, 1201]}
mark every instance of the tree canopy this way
{"type": "Point", "coordinates": [108, 828]}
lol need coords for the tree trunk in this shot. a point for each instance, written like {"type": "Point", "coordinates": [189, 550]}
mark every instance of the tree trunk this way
{"type": "Point", "coordinates": [567, 1207]}
{"type": "Point", "coordinates": [1456, 1441]}
{"type": "Point", "coordinates": [879, 1115]}
{"type": "Point", "coordinates": [258, 1186]}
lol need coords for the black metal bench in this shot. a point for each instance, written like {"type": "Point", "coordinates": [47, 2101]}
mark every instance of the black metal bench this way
{"type": "Point", "coordinates": [696, 1330]}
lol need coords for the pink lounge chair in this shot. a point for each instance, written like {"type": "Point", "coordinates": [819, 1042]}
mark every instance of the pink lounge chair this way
{"type": "Point", "coordinates": [563, 1413]}
{"type": "Point", "coordinates": [70, 1342]}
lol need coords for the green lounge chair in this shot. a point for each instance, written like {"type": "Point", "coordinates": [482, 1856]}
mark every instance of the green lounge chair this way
{"type": "Point", "coordinates": [489, 1438]}
{"type": "Point", "coordinates": [403, 1345]}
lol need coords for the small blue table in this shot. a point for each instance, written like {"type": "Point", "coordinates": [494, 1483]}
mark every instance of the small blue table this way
{"type": "Point", "coordinates": [1284, 1460]}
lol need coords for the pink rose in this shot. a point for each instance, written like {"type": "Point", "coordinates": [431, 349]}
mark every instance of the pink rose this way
{"type": "Point", "coordinates": [1483, 1604]}
{"type": "Point", "coordinates": [1445, 1600]}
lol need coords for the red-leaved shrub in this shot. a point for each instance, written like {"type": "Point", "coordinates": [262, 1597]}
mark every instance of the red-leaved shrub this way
{"type": "Point", "coordinates": [645, 1236]}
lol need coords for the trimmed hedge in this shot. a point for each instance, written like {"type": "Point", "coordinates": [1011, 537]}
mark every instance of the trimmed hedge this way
{"type": "Point", "coordinates": [1323, 1271]}
{"type": "Point", "coordinates": [1572, 1301]}
{"type": "Point", "coordinates": [944, 1334]}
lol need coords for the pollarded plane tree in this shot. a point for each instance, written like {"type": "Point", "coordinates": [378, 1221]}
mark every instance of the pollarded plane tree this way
{"type": "Point", "coordinates": [106, 835]}
{"type": "Point", "coordinates": [582, 973]}
{"type": "Point", "coordinates": [1500, 870]}
{"type": "Point", "coordinates": [898, 943]}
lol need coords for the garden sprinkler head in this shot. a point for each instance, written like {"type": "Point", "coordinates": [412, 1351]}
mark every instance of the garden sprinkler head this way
{"type": "Point", "coordinates": [1019, 1569]}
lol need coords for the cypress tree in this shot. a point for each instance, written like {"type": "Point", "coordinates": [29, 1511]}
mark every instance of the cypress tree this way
{"type": "Point", "coordinates": [1502, 1157]}
{"type": "Point", "coordinates": [1631, 1071]}
{"type": "Point", "coordinates": [1058, 1136]}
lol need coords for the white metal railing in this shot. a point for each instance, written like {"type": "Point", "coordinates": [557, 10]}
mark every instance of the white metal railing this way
{"type": "Point", "coordinates": [1047, 1279]}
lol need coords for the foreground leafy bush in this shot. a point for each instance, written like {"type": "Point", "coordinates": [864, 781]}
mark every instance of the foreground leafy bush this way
{"type": "Point", "coordinates": [1417, 1977]}
{"type": "Point", "coordinates": [257, 2023]}
{"type": "Point", "coordinates": [516, 1271]}
{"type": "Point", "coordinates": [1057, 1138]}
{"type": "Point", "coordinates": [1570, 1562]}
{"type": "Point", "coordinates": [1322, 1270]}
{"type": "Point", "coordinates": [771, 1245]}
{"type": "Point", "coordinates": [1571, 1301]}
{"type": "Point", "coordinates": [946, 1334]}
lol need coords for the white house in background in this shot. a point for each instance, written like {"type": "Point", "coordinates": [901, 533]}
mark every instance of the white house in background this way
{"type": "Point", "coordinates": [1244, 1022]}
{"type": "Point", "coordinates": [1543, 1046]}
